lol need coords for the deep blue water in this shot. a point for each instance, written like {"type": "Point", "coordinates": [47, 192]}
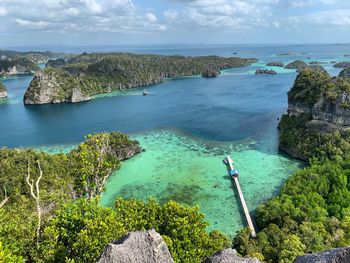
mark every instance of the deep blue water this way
{"type": "Point", "coordinates": [237, 105]}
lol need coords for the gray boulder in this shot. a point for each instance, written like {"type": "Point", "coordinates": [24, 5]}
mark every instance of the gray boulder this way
{"type": "Point", "coordinates": [137, 247]}
{"type": "Point", "coordinates": [345, 73]}
{"type": "Point", "coordinates": [338, 255]}
{"type": "Point", "coordinates": [228, 256]}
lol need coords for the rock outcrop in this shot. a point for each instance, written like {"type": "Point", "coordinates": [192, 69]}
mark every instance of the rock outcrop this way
{"type": "Point", "coordinates": [338, 255]}
{"type": "Point", "coordinates": [3, 92]}
{"type": "Point", "coordinates": [48, 88]}
{"type": "Point", "coordinates": [297, 64]}
{"type": "Point", "coordinates": [137, 247]}
{"type": "Point", "coordinates": [345, 73]}
{"type": "Point", "coordinates": [210, 72]}
{"type": "Point", "coordinates": [229, 256]}
{"type": "Point", "coordinates": [342, 64]}
{"type": "Point", "coordinates": [275, 64]}
{"type": "Point", "coordinates": [261, 71]}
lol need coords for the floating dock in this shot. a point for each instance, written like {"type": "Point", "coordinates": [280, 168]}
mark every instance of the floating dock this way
{"type": "Point", "coordinates": [232, 172]}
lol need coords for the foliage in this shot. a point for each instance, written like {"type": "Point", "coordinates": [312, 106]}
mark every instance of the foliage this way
{"type": "Point", "coordinates": [307, 143]}
{"type": "Point", "coordinates": [59, 184]}
{"type": "Point", "coordinates": [310, 214]}
{"type": "Point", "coordinates": [80, 230]}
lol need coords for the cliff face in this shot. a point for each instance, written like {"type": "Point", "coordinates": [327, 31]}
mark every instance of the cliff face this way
{"type": "Point", "coordinates": [318, 114]}
{"type": "Point", "coordinates": [81, 77]}
{"type": "Point", "coordinates": [3, 92]}
{"type": "Point", "coordinates": [48, 88]}
{"type": "Point", "coordinates": [17, 67]}
{"type": "Point", "coordinates": [326, 99]}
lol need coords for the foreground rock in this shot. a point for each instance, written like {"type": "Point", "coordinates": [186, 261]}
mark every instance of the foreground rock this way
{"type": "Point", "coordinates": [338, 255]}
{"type": "Point", "coordinates": [3, 92]}
{"type": "Point", "coordinates": [275, 64]}
{"type": "Point", "coordinates": [342, 65]}
{"type": "Point", "coordinates": [228, 256]}
{"type": "Point", "coordinates": [137, 247]}
{"type": "Point", "coordinates": [345, 73]}
{"type": "Point", "coordinates": [297, 64]}
{"type": "Point", "coordinates": [261, 71]}
{"type": "Point", "coordinates": [45, 89]}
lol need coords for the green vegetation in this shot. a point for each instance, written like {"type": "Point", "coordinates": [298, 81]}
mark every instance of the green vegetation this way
{"type": "Point", "coordinates": [23, 66]}
{"type": "Point", "coordinates": [310, 214]}
{"type": "Point", "coordinates": [102, 73]}
{"type": "Point", "coordinates": [79, 231]}
{"type": "Point", "coordinates": [312, 211]}
{"type": "Point", "coordinates": [62, 222]}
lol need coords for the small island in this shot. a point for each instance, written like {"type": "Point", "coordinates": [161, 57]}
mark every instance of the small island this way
{"type": "Point", "coordinates": [275, 64]}
{"type": "Point", "coordinates": [80, 78]}
{"type": "Point", "coordinates": [261, 71]}
{"type": "Point", "coordinates": [297, 64]}
{"type": "Point", "coordinates": [3, 91]}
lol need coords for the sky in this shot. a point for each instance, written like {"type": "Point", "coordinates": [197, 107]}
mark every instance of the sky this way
{"type": "Point", "coordinates": [113, 22]}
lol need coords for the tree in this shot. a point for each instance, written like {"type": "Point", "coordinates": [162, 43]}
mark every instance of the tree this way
{"type": "Point", "coordinates": [94, 163]}
{"type": "Point", "coordinates": [35, 193]}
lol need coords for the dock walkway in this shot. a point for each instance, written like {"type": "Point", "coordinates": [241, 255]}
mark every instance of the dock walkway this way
{"type": "Point", "coordinates": [234, 175]}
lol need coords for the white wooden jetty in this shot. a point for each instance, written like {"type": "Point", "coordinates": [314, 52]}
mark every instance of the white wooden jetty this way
{"type": "Point", "coordinates": [234, 175]}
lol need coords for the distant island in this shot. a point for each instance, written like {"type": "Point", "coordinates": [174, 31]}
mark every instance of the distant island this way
{"type": "Point", "coordinates": [79, 78]}
{"type": "Point", "coordinates": [35, 57]}
{"type": "Point", "coordinates": [17, 66]}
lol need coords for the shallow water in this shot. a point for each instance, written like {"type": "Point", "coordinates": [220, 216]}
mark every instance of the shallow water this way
{"type": "Point", "coordinates": [182, 168]}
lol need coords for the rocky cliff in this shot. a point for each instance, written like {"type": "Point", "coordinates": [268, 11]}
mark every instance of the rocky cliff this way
{"type": "Point", "coordinates": [134, 247]}
{"type": "Point", "coordinates": [229, 256]}
{"type": "Point", "coordinates": [50, 88]}
{"type": "Point", "coordinates": [338, 255]}
{"type": "Point", "coordinates": [318, 107]}
{"type": "Point", "coordinates": [3, 92]}
{"type": "Point", "coordinates": [79, 78]}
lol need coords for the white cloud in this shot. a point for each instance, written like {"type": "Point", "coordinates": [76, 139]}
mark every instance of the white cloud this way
{"type": "Point", "coordinates": [151, 17]}
{"type": "Point", "coordinates": [77, 16]}
{"type": "Point", "coordinates": [171, 14]}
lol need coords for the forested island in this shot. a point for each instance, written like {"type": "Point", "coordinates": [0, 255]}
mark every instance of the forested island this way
{"type": "Point", "coordinates": [81, 77]}
{"type": "Point", "coordinates": [35, 57]}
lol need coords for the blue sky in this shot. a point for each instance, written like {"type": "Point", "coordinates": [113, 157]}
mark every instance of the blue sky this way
{"type": "Point", "coordinates": [110, 22]}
